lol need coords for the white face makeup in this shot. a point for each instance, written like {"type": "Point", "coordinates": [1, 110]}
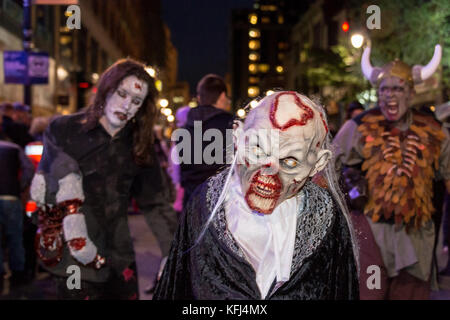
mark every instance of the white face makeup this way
{"type": "Point", "coordinates": [282, 149]}
{"type": "Point", "coordinates": [124, 103]}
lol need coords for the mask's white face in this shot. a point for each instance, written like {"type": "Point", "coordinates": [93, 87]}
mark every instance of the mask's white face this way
{"type": "Point", "coordinates": [122, 104]}
{"type": "Point", "coordinates": [280, 149]}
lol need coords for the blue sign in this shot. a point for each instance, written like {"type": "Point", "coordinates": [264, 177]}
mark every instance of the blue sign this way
{"type": "Point", "coordinates": [37, 68]}
{"type": "Point", "coordinates": [22, 67]}
{"type": "Point", "coordinates": [15, 67]}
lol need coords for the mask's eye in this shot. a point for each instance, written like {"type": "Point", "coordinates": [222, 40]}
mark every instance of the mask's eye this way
{"type": "Point", "coordinates": [257, 151]}
{"type": "Point", "coordinates": [137, 102]}
{"type": "Point", "coordinates": [121, 93]}
{"type": "Point", "coordinates": [290, 162]}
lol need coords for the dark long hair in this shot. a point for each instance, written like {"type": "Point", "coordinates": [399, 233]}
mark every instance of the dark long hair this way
{"type": "Point", "coordinates": [144, 118]}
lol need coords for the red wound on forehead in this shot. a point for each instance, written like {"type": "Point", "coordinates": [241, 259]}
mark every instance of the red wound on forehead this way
{"type": "Point", "coordinates": [323, 121]}
{"type": "Point", "coordinates": [137, 86]}
{"type": "Point", "coordinates": [306, 113]}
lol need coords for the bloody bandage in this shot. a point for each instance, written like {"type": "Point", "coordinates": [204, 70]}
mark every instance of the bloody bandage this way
{"type": "Point", "coordinates": [74, 226]}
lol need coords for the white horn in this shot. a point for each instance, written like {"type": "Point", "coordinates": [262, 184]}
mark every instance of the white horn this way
{"type": "Point", "coordinates": [366, 66]}
{"type": "Point", "coordinates": [428, 70]}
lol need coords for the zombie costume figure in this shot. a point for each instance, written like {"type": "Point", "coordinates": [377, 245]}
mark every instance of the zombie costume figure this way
{"type": "Point", "coordinates": [399, 153]}
{"type": "Point", "coordinates": [261, 229]}
{"type": "Point", "coordinates": [93, 163]}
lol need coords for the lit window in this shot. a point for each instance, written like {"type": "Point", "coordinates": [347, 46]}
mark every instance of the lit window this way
{"type": "Point", "coordinates": [280, 19]}
{"type": "Point", "coordinates": [280, 69]}
{"type": "Point", "coordinates": [268, 8]}
{"type": "Point", "coordinates": [263, 67]}
{"type": "Point", "coordinates": [253, 91]}
{"type": "Point", "coordinates": [303, 56]}
{"type": "Point", "coordinates": [158, 85]}
{"type": "Point", "coordinates": [253, 56]}
{"type": "Point", "coordinates": [282, 45]}
{"type": "Point", "coordinates": [252, 68]}
{"type": "Point", "coordinates": [254, 33]}
{"type": "Point", "coordinates": [281, 56]}
{"type": "Point", "coordinates": [254, 44]}
{"type": "Point", "coordinates": [178, 99]}
{"type": "Point", "coordinates": [253, 80]}
{"type": "Point", "coordinates": [265, 20]}
{"type": "Point", "coordinates": [253, 18]}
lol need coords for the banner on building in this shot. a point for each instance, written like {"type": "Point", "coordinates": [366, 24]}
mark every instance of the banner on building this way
{"type": "Point", "coordinates": [22, 67]}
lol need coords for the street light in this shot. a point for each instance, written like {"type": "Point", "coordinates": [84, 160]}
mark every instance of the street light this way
{"type": "Point", "coordinates": [170, 118]}
{"type": "Point", "coordinates": [163, 102]}
{"type": "Point", "coordinates": [241, 113]}
{"type": "Point", "coordinates": [357, 40]}
{"type": "Point", "coordinates": [167, 112]}
{"type": "Point", "coordinates": [253, 104]}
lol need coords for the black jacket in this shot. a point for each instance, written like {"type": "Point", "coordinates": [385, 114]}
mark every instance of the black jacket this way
{"type": "Point", "coordinates": [194, 174]}
{"type": "Point", "coordinates": [110, 179]}
{"type": "Point", "coordinates": [323, 264]}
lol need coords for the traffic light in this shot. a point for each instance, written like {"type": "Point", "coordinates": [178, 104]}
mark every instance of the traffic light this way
{"type": "Point", "coordinates": [345, 26]}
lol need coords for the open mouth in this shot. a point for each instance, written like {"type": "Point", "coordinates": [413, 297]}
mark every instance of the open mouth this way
{"type": "Point", "coordinates": [392, 108]}
{"type": "Point", "coordinates": [121, 116]}
{"type": "Point", "coordinates": [266, 186]}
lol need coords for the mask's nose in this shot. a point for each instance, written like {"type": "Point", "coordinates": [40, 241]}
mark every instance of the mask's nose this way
{"type": "Point", "coordinates": [271, 167]}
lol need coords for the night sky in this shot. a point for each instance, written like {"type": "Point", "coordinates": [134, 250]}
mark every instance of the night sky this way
{"type": "Point", "coordinates": [200, 32]}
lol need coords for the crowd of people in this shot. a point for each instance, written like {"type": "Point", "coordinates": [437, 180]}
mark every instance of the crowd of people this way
{"type": "Point", "coordinates": [304, 218]}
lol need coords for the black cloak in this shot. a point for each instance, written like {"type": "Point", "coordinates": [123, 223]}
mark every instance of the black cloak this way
{"type": "Point", "coordinates": [216, 268]}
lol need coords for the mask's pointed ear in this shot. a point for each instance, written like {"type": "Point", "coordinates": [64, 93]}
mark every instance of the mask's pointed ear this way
{"type": "Point", "coordinates": [323, 156]}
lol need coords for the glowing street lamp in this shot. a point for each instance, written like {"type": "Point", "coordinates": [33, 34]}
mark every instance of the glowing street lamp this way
{"type": "Point", "coordinates": [163, 102]}
{"type": "Point", "coordinates": [241, 113]}
{"type": "Point", "coordinates": [167, 112]}
{"type": "Point", "coordinates": [357, 40]}
{"type": "Point", "coordinates": [253, 104]}
{"type": "Point", "coordinates": [170, 118]}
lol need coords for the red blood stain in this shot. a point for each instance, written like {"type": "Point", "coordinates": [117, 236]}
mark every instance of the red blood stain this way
{"type": "Point", "coordinates": [323, 121]}
{"type": "Point", "coordinates": [137, 86]}
{"type": "Point", "coordinates": [128, 274]}
{"type": "Point", "coordinates": [306, 115]}
{"type": "Point", "coordinates": [78, 243]}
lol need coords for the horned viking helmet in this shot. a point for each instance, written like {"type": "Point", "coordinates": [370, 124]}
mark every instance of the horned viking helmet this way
{"type": "Point", "coordinates": [397, 68]}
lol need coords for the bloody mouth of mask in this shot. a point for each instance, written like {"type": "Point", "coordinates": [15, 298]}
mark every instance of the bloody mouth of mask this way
{"type": "Point", "coordinates": [121, 116]}
{"type": "Point", "coordinates": [263, 193]}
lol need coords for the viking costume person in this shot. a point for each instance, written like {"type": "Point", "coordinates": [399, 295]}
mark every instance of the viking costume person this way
{"type": "Point", "coordinates": [93, 163]}
{"type": "Point", "coordinates": [399, 152]}
{"type": "Point", "coordinates": [261, 229]}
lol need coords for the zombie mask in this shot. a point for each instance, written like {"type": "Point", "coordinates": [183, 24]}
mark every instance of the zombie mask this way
{"type": "Point", "coordinates": [124, 102]}
{"type": "Point", "coordinates": [279, 148]}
